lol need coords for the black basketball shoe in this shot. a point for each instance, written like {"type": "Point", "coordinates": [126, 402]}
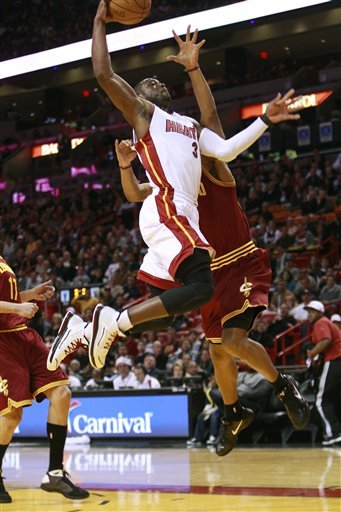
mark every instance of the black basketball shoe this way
{"type": "Point", "coordinates": [58, 481]}
{"type": "Point", "coordinates": [294, 403]}
{"type": "Point", "coordinates": [228, 435]}
{"type": "Point", "coordinates": [4, 496]}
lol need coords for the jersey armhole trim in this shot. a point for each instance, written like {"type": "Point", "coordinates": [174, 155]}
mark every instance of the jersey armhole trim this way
{"type": "Point", "coordinates": [216, 181]}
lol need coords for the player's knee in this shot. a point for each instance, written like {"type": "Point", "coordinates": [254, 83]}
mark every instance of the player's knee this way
{"type": "Point", "coordinates": [234, 342]}
{"type": "Point", "coordinates": [60, 394]}
{"type": "Point", "coordinates": [13, 418]}
{"type": "Point", "coordinates": [206, 290]}
{"type": "Point", "coordinates": [201, 293]}
{"type": "Point", "coordinates": [217, 352]}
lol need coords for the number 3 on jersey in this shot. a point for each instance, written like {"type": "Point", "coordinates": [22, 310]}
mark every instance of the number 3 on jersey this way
{"type": "Point", "coordinates": [195, 149]}
{"type": "Point", "coordinates": [13, 288]}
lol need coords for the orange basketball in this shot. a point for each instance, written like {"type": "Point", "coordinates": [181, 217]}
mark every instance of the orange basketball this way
{"type": "Point", "coordinates": [128, 12]}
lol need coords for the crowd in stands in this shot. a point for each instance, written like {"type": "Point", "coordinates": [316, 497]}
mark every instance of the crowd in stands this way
{"type": "Point", "coordinates": [92, 240]}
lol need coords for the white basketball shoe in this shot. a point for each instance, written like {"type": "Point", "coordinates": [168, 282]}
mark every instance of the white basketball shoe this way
{"type": "Point", "coordinates": [105, 332]}
{"type": "Point", "coordinates": [69, 338]}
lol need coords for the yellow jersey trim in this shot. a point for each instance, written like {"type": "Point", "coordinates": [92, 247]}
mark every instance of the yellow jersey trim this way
{"type": "Point", "coordinates": [16, 328]}
{"type": "Point", "coordinates": [16, 405]}
{"type": "Point", "coordinates": [237, 257]}
{"type": "Point", "coordinates": [215, 341]}
{"type": "Point", "coordinates": [215, 180]}
{"type": "Point", "coordinates": [229, 254]}
{"type": "Point", "coordinates": [233, 256]}
{"type": "Point", "coordinates": [241, 310]}
{"type": "Point", "coordinates": [184, 230]}
{"type": "Point", "coordinates": [50, 386]}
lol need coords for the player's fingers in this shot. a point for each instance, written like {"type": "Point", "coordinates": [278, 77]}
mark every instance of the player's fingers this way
{"type": "Point", "coordinates": [177, 38]}
{"type": "Point", "coordinates": [276, 99]}
{"type": "Point", "coordinates": [292, 110]}
{"type": "Point", "coordinates": [287, 96]}
{"type": "Point", "coordinates": [199, 45]}
{"type": "Point", "coordinates": [292, 101]}
{"type": "Point", "coordinates": [195, 36]}
{"type": "Point", "coordinates": [172, 58]}
{"type": "Point", "coordinates": [188, 34]}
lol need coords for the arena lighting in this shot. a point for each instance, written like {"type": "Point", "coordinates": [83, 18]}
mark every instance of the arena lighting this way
{"type": "Point", "coordinates": [138, 36]}
{"type": "Point", "coordinates": [304, 101]}
{"type": "Point", "coordinates": [52, 148]}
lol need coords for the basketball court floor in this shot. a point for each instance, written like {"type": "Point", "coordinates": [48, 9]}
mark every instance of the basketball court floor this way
{"type": "Point", "coordinates": [178, 479]}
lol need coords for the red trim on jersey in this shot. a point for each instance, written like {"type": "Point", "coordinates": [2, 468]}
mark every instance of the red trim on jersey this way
{"type": "Point", "coordinates": [165, 197]}
{"type": "Point", "coordinates": [178, 224]}
{"type": "Point", "coordinates": [164, 284]}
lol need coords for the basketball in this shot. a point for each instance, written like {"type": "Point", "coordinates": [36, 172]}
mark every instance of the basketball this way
{"type": "Point", "coordinates": [128, 12]}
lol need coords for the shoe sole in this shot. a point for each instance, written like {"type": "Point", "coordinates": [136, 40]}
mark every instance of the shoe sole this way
{"type": "Point", "coordinates": [336, 440]}
{"type": "Point", "coordinates": [59, 339]}
{"type": "Point", "coordinates": [95, 324]}
{"type": "Point", "coordinates": [65, 495]}
{"type": "Point", "coordinates": [305, 406]}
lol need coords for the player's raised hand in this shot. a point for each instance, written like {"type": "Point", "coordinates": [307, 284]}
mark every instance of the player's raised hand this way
{"type": "Point", "coordinates": [278, 109]}
{"type": "Point", "coordinates": [125, 152]}
{"type": "Point", "coordinates": [103, 11]}
{"type": "Point", "coordinates": [188, 54]}
{"type": "Point", "coordinates": [27, 309]}
{"type": "Point", "coordinates": [43, 291]}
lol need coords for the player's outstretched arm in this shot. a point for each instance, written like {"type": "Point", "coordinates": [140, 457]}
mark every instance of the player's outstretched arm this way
{"type": "Point", "coordinates": [137, 111]}
{"type": "Point", "coordinates": [26, 309]}
{"type": "Point", "coordinates": [188, 57]}
{"type": "Point", "coordinates": [134, 191]}
{"type": "Point", "coordinates": [227, 150]}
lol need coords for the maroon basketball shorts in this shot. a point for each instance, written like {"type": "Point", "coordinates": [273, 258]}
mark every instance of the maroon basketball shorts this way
{"type": "Point", "coordinates": [239, 285]}
{"type": "Point", "coordinates": [23, 372]}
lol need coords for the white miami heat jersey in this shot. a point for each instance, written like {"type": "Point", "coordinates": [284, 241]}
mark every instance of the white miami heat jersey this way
{"type": "Point", "coordinates": [170, 155]}
{"type": "Point", "coordinates": [169, 218]}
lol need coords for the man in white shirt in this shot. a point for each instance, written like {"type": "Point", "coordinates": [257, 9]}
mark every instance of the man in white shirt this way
{"type": "Point", "coordinates": [126, 378]}
{"type": "Point", "coordinates": [299, 312]}
{"type": "Point", "coordinates": [143, 380]}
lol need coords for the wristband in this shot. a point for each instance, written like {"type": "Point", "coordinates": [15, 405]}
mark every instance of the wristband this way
{"type": "Point", "coordinates": [125, 168]}
{"type": "Point", "coordinates": [193, 69]}
{"type": "Point", "coordinates": [266, 120]}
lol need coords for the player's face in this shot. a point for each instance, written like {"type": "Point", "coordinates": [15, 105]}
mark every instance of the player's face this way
{"type": "Point", "coordinates": [156, 92]}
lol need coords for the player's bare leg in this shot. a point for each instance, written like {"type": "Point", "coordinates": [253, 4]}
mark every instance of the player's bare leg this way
{"type": "Point", "coordinates": [254, 354]}
{"type": "Point", "coordinates": [236, 417]}
{"type": "Point", "coordinates": [8, 424]}
{"type": "Point", "coordinates": [225, 371]}
{"type": "Point", "coordinates": [197, 289]}
{"type": "Point", "coordinates": [56, 479]}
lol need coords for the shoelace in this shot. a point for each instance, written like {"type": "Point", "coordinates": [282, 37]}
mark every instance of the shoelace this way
{"type": "Point", "coordinates": [73, 346]}
{"type": "Point", "coordinates": [111, 338]}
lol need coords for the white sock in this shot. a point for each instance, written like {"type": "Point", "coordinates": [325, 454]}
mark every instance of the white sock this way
{"type": "Point", "coordinates": [88, 332]}
{"type": "Point", "coordinates": [123, 322]}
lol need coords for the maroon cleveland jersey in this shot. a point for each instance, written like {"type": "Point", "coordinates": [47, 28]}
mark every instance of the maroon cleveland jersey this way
{"type": "Point", "coordinates": [222, 220]}
{"type": "Point", "coordinates": [9, 293]}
